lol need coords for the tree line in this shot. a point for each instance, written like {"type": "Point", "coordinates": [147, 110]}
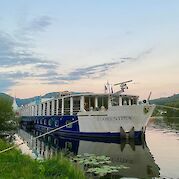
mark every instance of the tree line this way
{"type": "Point", "coordinates": [7, 116]}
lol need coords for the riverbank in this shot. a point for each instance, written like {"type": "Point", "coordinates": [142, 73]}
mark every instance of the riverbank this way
{"type": "Point", "coordinates": [14, 165]}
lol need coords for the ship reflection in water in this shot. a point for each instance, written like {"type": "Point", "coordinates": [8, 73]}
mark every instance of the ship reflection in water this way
{"type": "Point", "coordinates": [133, 154]}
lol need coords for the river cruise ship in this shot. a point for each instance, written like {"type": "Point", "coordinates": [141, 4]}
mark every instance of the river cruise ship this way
{"type": "Point", "coordinates": [109, 114]}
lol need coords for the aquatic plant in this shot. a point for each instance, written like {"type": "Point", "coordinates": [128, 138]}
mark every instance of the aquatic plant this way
{"type": "Point", "coordinates": [97, 165]}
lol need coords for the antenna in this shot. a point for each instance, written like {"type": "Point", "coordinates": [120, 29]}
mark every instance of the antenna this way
{"type": "Point", "coordinates": [108, 88]}
{"type": "Point", "coordinates": [149, 96]}
{"type": "Point", "coordinates": [123, 85]}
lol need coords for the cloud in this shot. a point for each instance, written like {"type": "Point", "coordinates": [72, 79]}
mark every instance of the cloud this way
{"type": "Point", "coordinates": [15, 53]}
{"type": "Point", "coordinates": [90, 71]}
{"type": "Point", "coordinates": [5, 84]}
{"type": "Point", "coordinates": [139, 56]}
{"type": "Point", "coordinates": [15, 75]}
{"type": "Point", "coordinates": [57, 82]}
{"type": "Point", "coordinates": [10, 55]}
{"type": "Point", "coordinates": [144, 53]}
{"type": "Point", "coordinates": [44, 71]}
{"type": "Point", "coordinates": [127, 58]}
{"type": "Point", "coordinates": [48, 74]}
{"type": "Point", "coordinates": [47, 65]}
{"type": "Point", "coordinates": [8, 79]}
{"type": "Point", "coordinates": [39, 24]}
{"type": "Point", "coordinates": [95, 71]}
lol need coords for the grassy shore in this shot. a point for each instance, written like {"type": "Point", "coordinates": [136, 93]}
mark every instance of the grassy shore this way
{"type": "Point", "coordinates": [15, 165]}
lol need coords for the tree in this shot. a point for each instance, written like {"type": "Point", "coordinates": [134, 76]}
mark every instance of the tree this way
{"type": "Point", "coordinates": [7, 116]}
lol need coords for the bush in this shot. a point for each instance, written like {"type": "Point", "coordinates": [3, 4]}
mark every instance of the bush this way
{"type": "Point", "coordinates": [7, 116]}
{"type": "Point", "coordinates": [17, 166]}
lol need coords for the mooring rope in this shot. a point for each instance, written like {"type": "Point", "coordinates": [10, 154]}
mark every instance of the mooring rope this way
{"type": "Point", "coordinates": [49, 132]}
{"type": "Point", "coordinates": [5, 150]}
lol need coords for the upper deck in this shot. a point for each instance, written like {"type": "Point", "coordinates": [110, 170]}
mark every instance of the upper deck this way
{"type": "Point", "coordinates": [71, 104]}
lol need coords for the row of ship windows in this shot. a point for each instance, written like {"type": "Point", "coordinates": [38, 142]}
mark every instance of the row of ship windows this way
{"type": "Point", "coordinates": [51, 121]}
{"type": "Point", "coordinates": [68, 145]}
{"type": "Point", "coordinates": [59, 112]}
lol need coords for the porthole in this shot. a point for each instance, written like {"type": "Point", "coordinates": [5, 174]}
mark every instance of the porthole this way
{"type": "Point", "coordinates": [45, 121]}
{"type": "Point", "coordinates": [56, 123]}
{"type": "Point", "coordinates": [55, 141]}
{"type": "Point", "coordinates": [49, 122]}
{"type": "Point", "coordinates": [49, 138]}
{"type": "Point", "coordinates": [41, 121]}
{"type": "Point", "coordinates": [69, 124]}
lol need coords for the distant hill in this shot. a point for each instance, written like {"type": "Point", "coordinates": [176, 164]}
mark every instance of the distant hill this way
{"type": "Point", "coordinates": [166, 100]}
{"type": "Point", "coordinates": [171, 101]}
{"type": "Point", "coordinates": [3, 95]}
{"type": "Point", "coordinates": [51, 95]}
{"type": "Point", "coordinates": [21, 102]}
{"type": "Point", "coordinates": [29, 100]}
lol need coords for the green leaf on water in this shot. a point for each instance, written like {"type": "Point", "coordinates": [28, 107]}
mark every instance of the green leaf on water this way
{"type": "Point", "coordinates": [98, 165]}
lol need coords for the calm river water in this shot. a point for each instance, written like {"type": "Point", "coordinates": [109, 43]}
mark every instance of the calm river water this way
{"type": "Point", "coordinates": [156, 156]}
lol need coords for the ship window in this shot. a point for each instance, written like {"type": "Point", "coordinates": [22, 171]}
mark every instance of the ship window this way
{"type": "Point", "coordinates": [134, 101]}
{"type": "Point", "coordinates": [49, 122]}
{"type": "Point", "coordinates": [70, 125]}
{"type": "Point", "coordinates": [45, 109]}
{"type": "Point", "coordinates": [50, 108]}
{"type": "Point", "coordinates": [56, 123]}
{"type": "Point", "coordinates": [103, 101]}
{"type": "Point", "coordinates": [55, 107]}
{"type": "Point", "coordinates": [59, 106]}
{"type": "Point", "coordinates": [41, 109]}
{"type": "Point", "coordinates": [86, 103]}
{"type": "Point", "coordinates": [45, 121]}
{"type": "Point", "coordinates": [67, 106]}
{"type": "Point", "coordinates": [49, 138]}
{"type": "Point", "coordinates": [125, 101]}
{"type": "Point", "coordinates": [37, 107]}
{"type": "Point", "coordinates": [41, 121]}
{"type": "Point", "coordinates": [55, 142]}
{"type": "Point", "coordinates": [76, 105]}
{"type": "Point", "coordinates": [115, 100]}
{"type": "Point", "coordinates": [68, 146]}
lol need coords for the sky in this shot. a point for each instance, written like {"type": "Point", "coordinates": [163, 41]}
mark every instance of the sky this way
{"type": "Point", "coordinates": [57, 45]}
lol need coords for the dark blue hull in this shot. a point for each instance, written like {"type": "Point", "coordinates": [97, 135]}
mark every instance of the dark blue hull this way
{"type": "Point", "coordinates": [47, 123]}
{"type": "Point", "coordinates": [77, 134]}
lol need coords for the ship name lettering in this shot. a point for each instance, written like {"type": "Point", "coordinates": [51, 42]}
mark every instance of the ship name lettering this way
{"type": "Point", "coordinates": [118, 118]}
